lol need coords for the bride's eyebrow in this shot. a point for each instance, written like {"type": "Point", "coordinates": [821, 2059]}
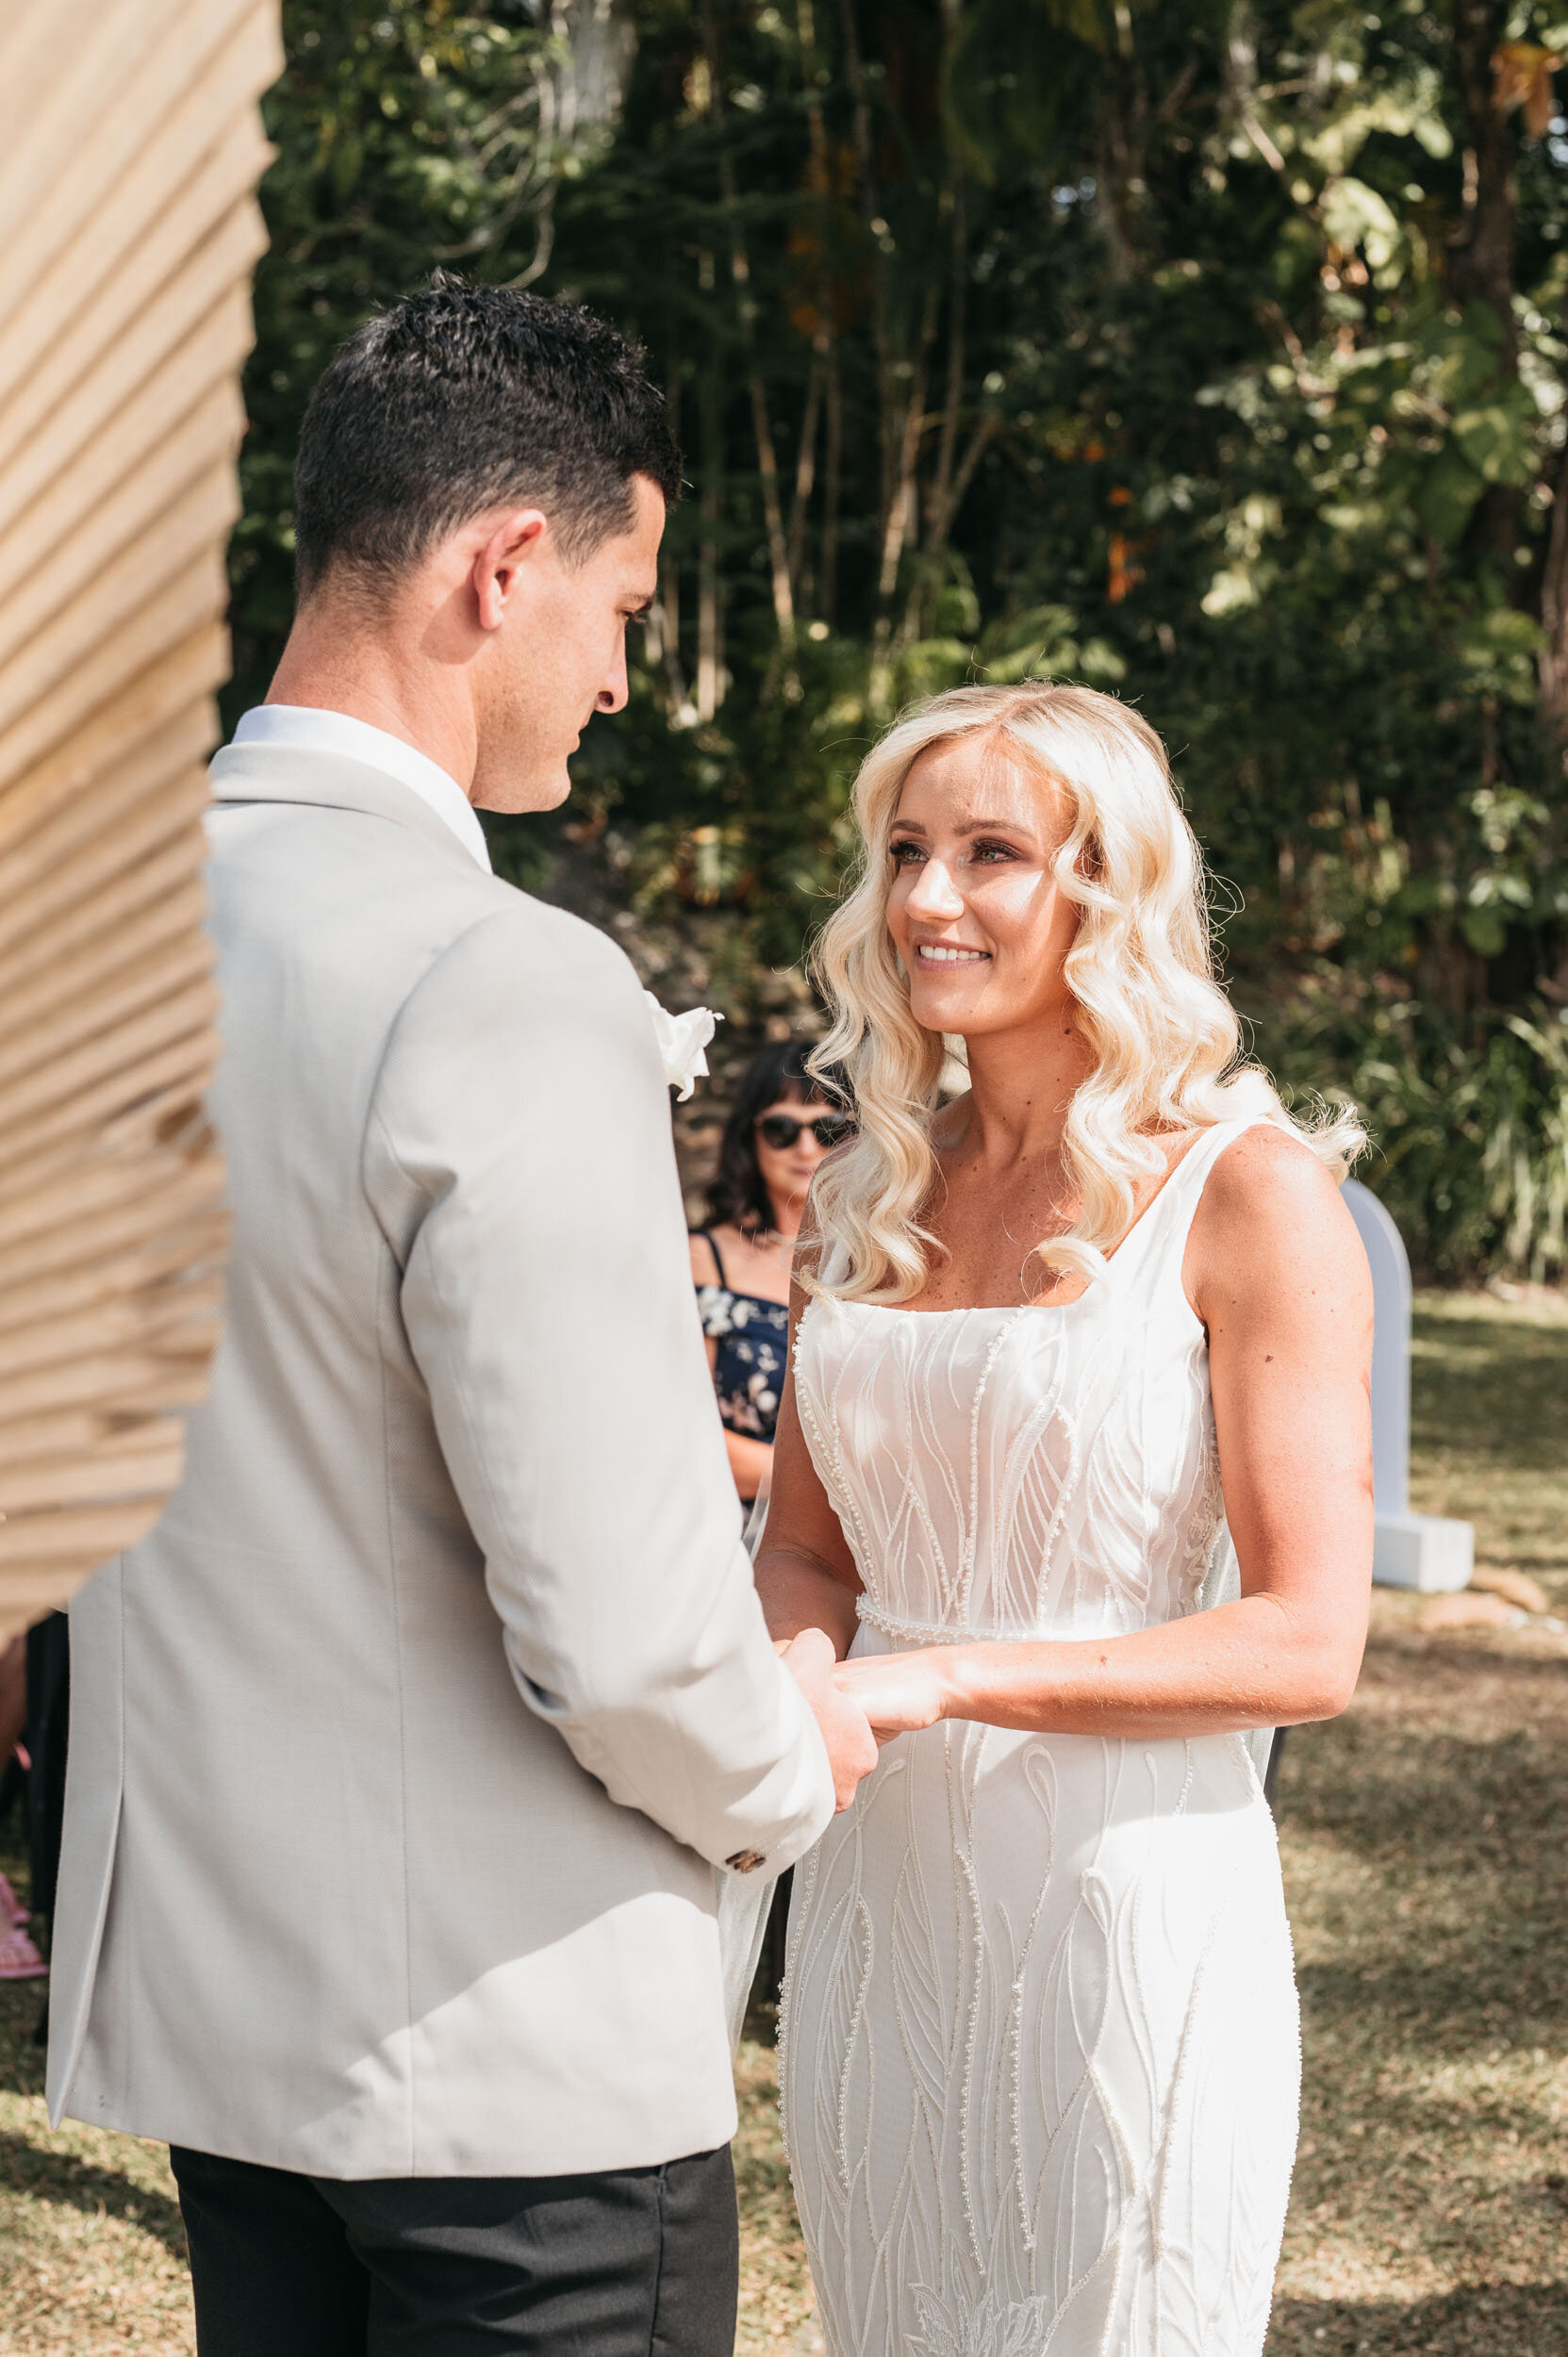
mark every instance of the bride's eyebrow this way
{"type": "Point", "coordinates": [1016, 827]}
{"type": "Point", "coordinates": [968, 825]}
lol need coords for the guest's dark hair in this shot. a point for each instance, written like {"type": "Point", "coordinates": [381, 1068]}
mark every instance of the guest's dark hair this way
{"type": "Point", "coordinates": [737, 1195]}
{"type": "Point", "coordinates": [463, 398]}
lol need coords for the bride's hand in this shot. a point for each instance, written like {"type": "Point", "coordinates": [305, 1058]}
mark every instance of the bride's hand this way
{"type": "Point", "coordinates": [898, 1692]}
{"type": "Point", "coordinates": [811, 1662]}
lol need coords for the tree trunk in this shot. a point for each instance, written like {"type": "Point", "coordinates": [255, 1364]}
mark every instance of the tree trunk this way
{"type": "Point", "coordinates": [1481, 264]}
{"type": "Point", "coordinates": [710, 652]}
{"type": "Point", "coordinates": [805, 473]}
{"type": "Point", "coordinates": [833, 478]}
{"type": "Point", "coordinates": [740, 274]}
{"type": "Point", "coordinates": [667, 610]}
{"type": "Point", "coordinates": [939, 505]}
{"type": "Point", "coordinates": [1122, 202]}
{"type": "Point", "coordinates": [1554, 622]}
{"type": "Point", "coordinates": [819, 381]}
{"type": "Point", "coordinates": [1482, 255]}
{"type": "Point", "coordinates": [887, 404]}
{"type": "Point", "coordinates": [902, 521]}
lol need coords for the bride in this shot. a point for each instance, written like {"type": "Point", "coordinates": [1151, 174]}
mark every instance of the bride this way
{"type": "Point", "coordinates": [1040, 2051]}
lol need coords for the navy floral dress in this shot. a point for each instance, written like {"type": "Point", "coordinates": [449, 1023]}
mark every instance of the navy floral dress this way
{"type": "Point", "coordinates": [752, 1336]}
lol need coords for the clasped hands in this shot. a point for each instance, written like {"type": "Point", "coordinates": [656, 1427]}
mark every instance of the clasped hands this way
{"type": "Point", "coordinates": [861, 1705]}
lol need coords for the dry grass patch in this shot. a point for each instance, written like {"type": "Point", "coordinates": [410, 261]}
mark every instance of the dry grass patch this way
{"type": "Point", "coordinates": [91, 2248]}
{"type": "Point", "coordinates": [1424, 1859]}
{"type": "Point", "coordinates": [775, 2288]}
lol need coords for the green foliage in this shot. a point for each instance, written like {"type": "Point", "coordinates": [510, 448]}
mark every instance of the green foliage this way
{"type": "Point", "coordinates": [1472, 1123]}
{"type": "Point", "coordinates": [1214, 356]}
{"type": "Point", "coordinates": [407, 135]}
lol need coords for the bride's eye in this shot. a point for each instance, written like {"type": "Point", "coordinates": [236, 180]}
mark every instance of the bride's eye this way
{"type": "Point", "coordinates": [905, 854]}
{"type": "Point", "coordinates": [990, 852]}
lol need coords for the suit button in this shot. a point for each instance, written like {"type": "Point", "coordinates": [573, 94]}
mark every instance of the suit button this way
{"type": "Point", "coordinates": [745, 1862]}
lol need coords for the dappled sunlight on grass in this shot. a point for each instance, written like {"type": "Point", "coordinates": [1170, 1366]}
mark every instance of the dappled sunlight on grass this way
{"type": "Point", "coordinates": [1423, 1861]}
{"type": "Point", "coordinates": [775, 2292]}
{"type": "Point", "coordinates": [91, 2248]}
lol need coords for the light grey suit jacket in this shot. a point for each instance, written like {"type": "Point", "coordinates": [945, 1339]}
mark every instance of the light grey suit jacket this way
{"type": "Point", "coordinates": [402, 1752]}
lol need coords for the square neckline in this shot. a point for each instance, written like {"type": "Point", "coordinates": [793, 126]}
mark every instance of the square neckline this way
{"type": "Point", "coordinates": [1017, 1308]}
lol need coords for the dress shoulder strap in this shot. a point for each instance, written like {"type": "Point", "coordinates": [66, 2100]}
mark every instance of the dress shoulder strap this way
{"type": "Point", "coordinates": [1200, 1159]}
{"type": "Point", "coordinates": [834, 1264]}
{"type": "Point", "coordinates": [1165, 1223]}
{"type": "Point", "coordinates": [706, 1234]}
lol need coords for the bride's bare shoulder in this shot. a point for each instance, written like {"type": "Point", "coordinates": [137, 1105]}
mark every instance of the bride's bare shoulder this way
{"type": "Point", "coordinates": [1270, 1201]}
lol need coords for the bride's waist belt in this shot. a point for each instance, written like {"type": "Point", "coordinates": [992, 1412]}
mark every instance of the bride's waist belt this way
{"type": "Point", "coordinates": [911, 1632]}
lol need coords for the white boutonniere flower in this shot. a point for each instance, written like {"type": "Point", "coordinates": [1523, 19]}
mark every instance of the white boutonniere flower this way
{"type": "Point", "coordinates": [682, 1039]}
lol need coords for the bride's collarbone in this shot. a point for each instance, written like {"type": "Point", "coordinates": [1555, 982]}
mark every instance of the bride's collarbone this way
{"type": "Point", "coordinates": [991, 1279]}
{"type": "Point", "coordinates": [986, 1235]}
{"type": "Point", "coordinates": [991, 1265]}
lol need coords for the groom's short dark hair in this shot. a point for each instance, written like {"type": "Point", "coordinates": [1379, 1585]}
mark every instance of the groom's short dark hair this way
{"type": "Point", "coordinates": [462, 398]}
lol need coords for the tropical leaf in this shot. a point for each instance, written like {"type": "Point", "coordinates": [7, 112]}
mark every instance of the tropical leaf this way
{"type": "Point", "coordinates": [1521, 76]}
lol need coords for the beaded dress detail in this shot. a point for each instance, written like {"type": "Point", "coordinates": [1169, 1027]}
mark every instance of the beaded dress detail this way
{"type": "Point", "coordinates": [1040, 2049]}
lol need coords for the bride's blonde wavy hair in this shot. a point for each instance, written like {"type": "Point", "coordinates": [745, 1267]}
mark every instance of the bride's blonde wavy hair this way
{"type": "Point", "coordinates": [1165, 1042]}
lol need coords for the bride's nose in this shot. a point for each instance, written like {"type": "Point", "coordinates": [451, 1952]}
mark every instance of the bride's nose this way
{"type": "Point", "coordinates": [935, 896]}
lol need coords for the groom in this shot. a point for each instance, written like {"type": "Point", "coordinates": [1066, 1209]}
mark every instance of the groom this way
{"type": "Point", "coordinates": [403, 1751]}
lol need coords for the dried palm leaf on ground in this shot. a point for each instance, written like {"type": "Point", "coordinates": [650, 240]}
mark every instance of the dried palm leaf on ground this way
{"type": "Point", "coordinates": [129, 152]}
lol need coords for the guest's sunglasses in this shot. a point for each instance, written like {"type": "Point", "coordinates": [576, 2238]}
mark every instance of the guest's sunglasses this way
{"type": "Point", "coordinates": [777, 1131]}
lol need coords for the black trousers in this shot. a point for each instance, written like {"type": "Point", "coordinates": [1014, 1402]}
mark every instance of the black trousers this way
{"type": "Point", "coordinates": [629, 2263]}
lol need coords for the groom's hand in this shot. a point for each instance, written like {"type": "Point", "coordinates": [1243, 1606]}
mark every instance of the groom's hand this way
{"type": "Point", "coordinates": [811, 1662]}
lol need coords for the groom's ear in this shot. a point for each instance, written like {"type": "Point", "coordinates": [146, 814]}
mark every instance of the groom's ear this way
{"type": "Point", "coordinates": [517, 539]}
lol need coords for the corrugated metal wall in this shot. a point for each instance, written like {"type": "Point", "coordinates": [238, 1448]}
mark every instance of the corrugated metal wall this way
{"type": "Point", "coordinates": [130, 147]}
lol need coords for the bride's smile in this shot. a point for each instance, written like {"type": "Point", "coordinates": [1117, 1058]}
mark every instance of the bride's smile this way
{"type": "Point", "coordinates": [975, 907]}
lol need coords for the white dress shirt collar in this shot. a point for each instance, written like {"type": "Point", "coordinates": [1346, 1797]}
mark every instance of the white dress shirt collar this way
{"type": "Point", "coordinates": [307, 729]}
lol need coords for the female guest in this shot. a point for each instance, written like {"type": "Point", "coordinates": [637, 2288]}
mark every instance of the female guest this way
{"type": "Point", "coordinates": [19, 1959]}
{"type": "Point", "coordinates": [1040, 2040]}
{"type": "Point", "coordinates": [783, 1121]}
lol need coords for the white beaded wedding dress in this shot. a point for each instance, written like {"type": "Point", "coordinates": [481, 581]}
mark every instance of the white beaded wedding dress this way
{"type": "Point", "coordinates": [1040, 2050]}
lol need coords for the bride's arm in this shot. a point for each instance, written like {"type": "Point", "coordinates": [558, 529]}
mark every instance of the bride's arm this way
{"type": "Point", "coordinates": [806, 1574]}
{"type": "Point", "coordinates": [1277, 1273]}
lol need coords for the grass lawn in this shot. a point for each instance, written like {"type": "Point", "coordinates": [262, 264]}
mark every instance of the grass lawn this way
{"type": "Point", "coordinates": [1423, 1837]}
